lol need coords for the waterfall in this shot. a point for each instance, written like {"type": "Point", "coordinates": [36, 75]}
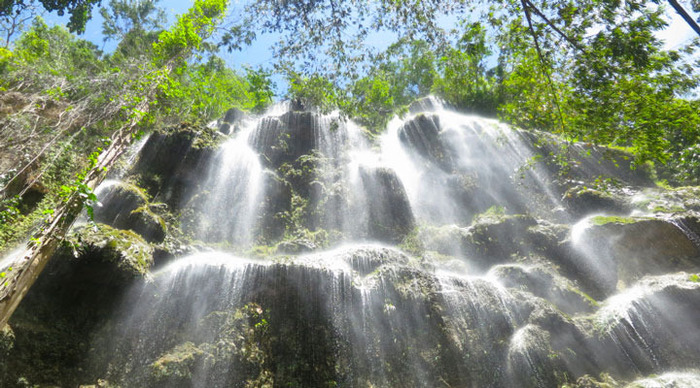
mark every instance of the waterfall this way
{"type": "Point", "coordinates": [232, 192]}
{"type": "Point", "coordinates": [292, 249]}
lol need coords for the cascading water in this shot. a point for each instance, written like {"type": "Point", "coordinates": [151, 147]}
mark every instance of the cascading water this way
{"type": "Point", "coordinates": [455, 166]}
{"type": "Point", "coordinates": [233, 189]}
{"type": "Point", "coordinates": [434, 256]}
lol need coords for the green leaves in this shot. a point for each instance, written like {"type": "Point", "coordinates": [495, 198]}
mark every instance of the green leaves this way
{"type": "Point", "coordinates": [189, 30]}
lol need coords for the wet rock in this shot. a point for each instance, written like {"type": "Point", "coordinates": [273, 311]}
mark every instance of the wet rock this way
{"type": "Point", "coordinates": [422, 134]}
{"type": "Point", "coordinates": [297, 245]}
{"type": "Point", "coordinates": [587, 163]}
{"type": "Point", "coordinates": [287, 137]}
{"type": "Point", "coordinates": [532, 362]}
{"type": "Point", "coordinates": [229, 123]}
{"type": "Point", "coordinates": [70, 302]}
{"type": "Point", "coordinates": [425, 104]}
{"type": "Point", "coordinates": [174, 162]}
{"type": "Point", "coordinates": [630, 248]}
{"type": "Point", "coordinates": [581, 201]}
{"type": "Point", "coordinates": [605, 381]}
{"type": "Point", "coordinates": [114, 255]}
{"type": "Point", "coordinates": [177, 366]}
{"type": "Point", "coordinates": [651, 327]}
{"type": "Point", "coordinates": [689, 379]}
{"type": "Point", "coordinates": [7, 340]}
{"type": "Point", "coordinates": [547, 284]}
{"type": "Point", "coordinates": [277, 200]}
{"type": "Point", "coordinates": [493, 240]}
{"type": "Point", "coordinates": [126, 206]}
{"type": "Point", "coordinates": [390, 215]}
{"type": "Point", "coordinates": [7, 343]}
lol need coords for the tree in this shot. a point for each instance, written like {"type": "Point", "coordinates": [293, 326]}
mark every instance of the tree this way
{"type": "Point", "coordinates": [15, 22]}
{"type": "Point", "coordinates": [79, 10]}
{"type": "Point", "coordinates": [170, 51]}
{"type": "Point", "coordinates": [135, 16]}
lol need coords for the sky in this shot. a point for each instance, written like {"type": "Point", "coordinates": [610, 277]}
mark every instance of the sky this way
{"type": "Point", "coordinates": [258, 54]}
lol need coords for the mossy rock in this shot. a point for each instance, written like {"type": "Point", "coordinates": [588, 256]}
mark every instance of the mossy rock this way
{"type": "Point", "coordinates": [637, 246]}
{"type": "Point", "coordinates": [127, 253]}
{"type": "Point", "coordinates": [495, 239]}
{"type": "Point", "coordinates": [177, 365]}
{"type": "Point", "coordinates": [670, 201]}
{"type": "Point", "coordinates": [587, 381]}
{"type": "Point", "coordinates": [71, 301]}
{"type": "Point", "coordinates": [423, 134]}
{"type": "Point", "coordinates": [126, 206]}
{"type": "Point", "coordinates": [690, 379]}
{"type": "Point", "coordinates": [586, 162]}
{"type": "Point", "coordinates": [662, 310]}
{"type": "Point", "coordinates": [175, 160]}
{"type": "Point", "coordinates": [581, 201]}
{"type": "Point", "coordinates": [285, 138]}
{"type": "Point", "coordinates": [546, 283]}
{"type": "Point", "coordinates": [229, 124]}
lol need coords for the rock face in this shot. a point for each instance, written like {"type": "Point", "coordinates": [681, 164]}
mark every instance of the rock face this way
{"type": "Point", "coordinates": [230, 123]}
{"type": "Point", "coordinates": [390, 216]}
{"type": "Point", "coordinates": [287, 137]}
{"type": "Point", "coordinates": [291, 250]}
{"type": "Point", "coordinates": [126, 206]}
{"type": "Point", "coordinates": [631, 248]}
{"type": "Point", "coordinates": [423, 135]}
{"type": "Point", "coordinates": [57, 322]}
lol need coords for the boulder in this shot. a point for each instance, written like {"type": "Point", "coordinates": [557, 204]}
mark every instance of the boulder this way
{"type": "Point", "coordinates": [109, 255]}
{"type": "Point", "coordinates": [426, 104]}
{"type": "Point", "coordinates": [126, 206]}
{"type": "Point", "coordinates": [581, 201]}
{"type": "Point", "coordinates": [175, 161]}
{"type": "Point", "coordinates": [546, 283]}
{"type": "Point", "coordinates": [229, 124]}
{"type": "Point", "coordinates": [283, 139]}
{"type": "Point", "coordinates": [390, 215]}
{"type": "Point", "coordinates": [626, 249]}
{"type": "Point", "coordinates": [422, 134]}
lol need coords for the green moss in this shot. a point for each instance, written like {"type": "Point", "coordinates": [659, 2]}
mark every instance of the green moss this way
{"type": "Point", "coordinates": [132, 188]}
{"type": "Point", "coordinates": [586, 297]}
{"type": "Point", "coordinates": [666, 209]}
{"type": "Point", "coordinates": [694, 278]}
{"type": "Point", "coordinates": [178, 363]}
{"type": "Point", "coordinates": [412, 243]}
{"type": "Point", "coordinates": [126, 249]}
{"type": "Point", "coordinates": [604, 220]}
{"type": "Point", "coordinates": [493, 214]}
{"type": "Point", "coordinates": [262, 251]}
{"type": "Point", "coordinates": [200, 135]}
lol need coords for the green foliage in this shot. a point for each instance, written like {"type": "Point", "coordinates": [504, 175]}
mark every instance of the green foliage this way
{"type": "Point", "coordinates": [125, 17]}
{"type": "Point", "coordinates": [43, 54]}
{"type": "Point", "coordinates": [259, 89]}
{"type": "Point", "coordinates": [464, 79]}
{"type": "Point", "coordinates": [79, 10]}
{"type": "Point", "coordinates": [189, 31]}
{"type": "Point", "coordinates": [615, 87]}
{"type": "Point", "coordinates": [9, 209]}
{"type": "Point", "coordinates": [314, 91]}
{"type": "Point", "coordinates": [203, 91]}
{"type": "Point", "coordinates": [494, 213]}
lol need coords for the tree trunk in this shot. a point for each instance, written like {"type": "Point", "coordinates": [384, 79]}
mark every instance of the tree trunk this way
{"type": "Point", "coordinates": [38, 253]}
